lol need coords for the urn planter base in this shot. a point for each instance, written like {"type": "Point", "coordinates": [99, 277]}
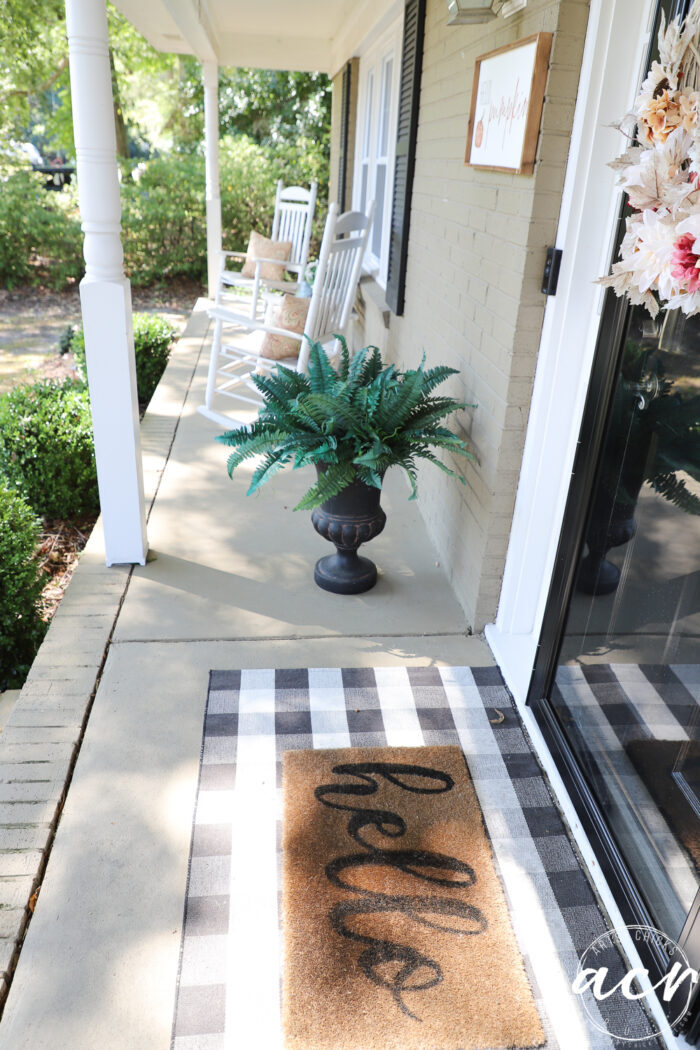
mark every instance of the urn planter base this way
{"type": "Point", "coordinates": [345, 573]}
{"type": "Point", "coordinates": [597, 575]}
{"type": "Point", "coordinates": [349, 519]}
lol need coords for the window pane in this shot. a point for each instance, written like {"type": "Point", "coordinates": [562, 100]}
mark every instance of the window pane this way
{"type": "Point", "coordinates": [367, 139]}
{"type": "Point", "coordinates": [386, 103]}
{"type": "Point", "coordinates": [363, 195]}
{"type": "Point", "coordinates": [379, 210]}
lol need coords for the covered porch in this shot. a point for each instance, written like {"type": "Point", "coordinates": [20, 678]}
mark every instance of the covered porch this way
{"type": "Point", "coordinates": [103, 748]}
{"type": "Point", "coordinates": [312, 36]}
{"type": "Point", "coordinates": [107, 735]}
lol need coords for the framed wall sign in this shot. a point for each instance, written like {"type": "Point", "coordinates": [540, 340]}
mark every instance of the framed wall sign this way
{"type": "Point", "coordinates": [507, 97]}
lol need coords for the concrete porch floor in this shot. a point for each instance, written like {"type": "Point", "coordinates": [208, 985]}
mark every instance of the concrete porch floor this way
{"type": "Point", "coordinates": [228, 584]}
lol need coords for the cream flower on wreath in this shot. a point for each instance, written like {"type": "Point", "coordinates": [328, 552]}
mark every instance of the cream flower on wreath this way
{"type": "Point", "coordinates": [656, 178]}
{"type": "Point", "coordinates": [651, 260]}
{"type": "Point", "coordinates": [657, 80]}
{"type": "Point", "coordinates": [690, 110]}
{"type": "Point", "coordinates": [659, 117]}
{"type": "Point", "coordinates": [645, 266]}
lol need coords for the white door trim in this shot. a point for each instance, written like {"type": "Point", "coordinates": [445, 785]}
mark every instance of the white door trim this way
{"type": "Point", "coordinates": [615, 49]}
{"type": "Point", "coordinates": [616, 46]}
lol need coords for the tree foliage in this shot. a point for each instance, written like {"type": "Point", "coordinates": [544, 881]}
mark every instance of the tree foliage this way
{"type": "Point", "coordinates": [272, 106]}
{"type": "Point", "coordinates": [272, 125]}
{"type": "Point", "coordinates": [159, 98]}
{"type": "Point", "coordinates": [34, 57]}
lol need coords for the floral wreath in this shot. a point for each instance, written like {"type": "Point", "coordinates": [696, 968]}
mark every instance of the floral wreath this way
{"type": "Point", "coordinates": [660, 254]}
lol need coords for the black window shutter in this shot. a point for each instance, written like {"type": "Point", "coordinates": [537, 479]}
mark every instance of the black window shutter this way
{"type": "Point", "coordinates": [344, 128]}
{"type": "Point", "coordinates": [409, 96]}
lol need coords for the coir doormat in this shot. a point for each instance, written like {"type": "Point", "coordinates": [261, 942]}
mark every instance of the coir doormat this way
{"type": "Point", "coordinates": [397, 933]}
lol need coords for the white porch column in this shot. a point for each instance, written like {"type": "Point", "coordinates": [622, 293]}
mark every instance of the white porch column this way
{"type": "Point", "coordinates": [210, 72]}
{"type": "Point", "coordinates": [105, 293]}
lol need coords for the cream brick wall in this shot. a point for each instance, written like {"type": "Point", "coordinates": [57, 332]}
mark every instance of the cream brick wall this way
{"type": "Point", "coordinates": [473, 300]}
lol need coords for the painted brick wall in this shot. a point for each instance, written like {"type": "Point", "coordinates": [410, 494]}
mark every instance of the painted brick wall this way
{"type": "Point", "coordinates": [473, 301]}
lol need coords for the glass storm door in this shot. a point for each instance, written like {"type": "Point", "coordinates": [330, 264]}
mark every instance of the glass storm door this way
{"type": "Point", "coordinates": [616, 686]}
{"type": "Point", "coordinates": [626, 689]}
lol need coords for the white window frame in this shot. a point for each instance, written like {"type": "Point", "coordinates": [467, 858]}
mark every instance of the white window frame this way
{"type": "Point", "coordinates": [376, 126]}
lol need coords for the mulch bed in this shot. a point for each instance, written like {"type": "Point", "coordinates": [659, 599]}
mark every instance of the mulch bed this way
{"type": "Point", "coordinates": [45, 301]}
{"type": "Point", "coordinates": [57, 368]}
{"type": "Point", "coordinates": [59, 550]}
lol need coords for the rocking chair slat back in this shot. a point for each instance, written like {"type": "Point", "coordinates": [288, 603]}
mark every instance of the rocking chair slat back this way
{"type": "Point", "coordinates": [293, 221]}
{"type": "Point", "coordinates": [337, 275]}
{"type": "Point", "coordinates": [294, 212]}
{"type": "Point", "coordinates": [232, 362]}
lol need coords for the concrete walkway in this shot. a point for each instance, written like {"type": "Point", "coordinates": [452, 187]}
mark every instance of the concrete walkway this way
{"type": "Point", "coordinates": [228, 585]}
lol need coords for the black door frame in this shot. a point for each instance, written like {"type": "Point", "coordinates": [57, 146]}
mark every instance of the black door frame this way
{"type": "Point", "coordinates": [594, 430]}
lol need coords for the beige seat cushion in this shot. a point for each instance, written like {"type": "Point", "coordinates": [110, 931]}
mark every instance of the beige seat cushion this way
{"type": "Point", "coordinates": [287, 311]}
{"type": "Point", "coordinates": [260, 247]}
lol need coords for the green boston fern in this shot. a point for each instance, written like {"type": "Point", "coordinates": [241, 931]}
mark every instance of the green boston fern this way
{"type": "Point", "coordinates": [351, 423]}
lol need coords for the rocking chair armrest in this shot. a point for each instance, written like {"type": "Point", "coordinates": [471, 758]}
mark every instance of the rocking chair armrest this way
{"type": "Point", "coordinates": [219, 313]}
{"type": "Point", "coordinates": [287, 264]}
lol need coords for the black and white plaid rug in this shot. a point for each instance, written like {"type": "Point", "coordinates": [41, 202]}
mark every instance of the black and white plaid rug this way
{"type": "Point", "coordinates": [605, 707]}
{"type": "Point", "coordinates": [229, 990]}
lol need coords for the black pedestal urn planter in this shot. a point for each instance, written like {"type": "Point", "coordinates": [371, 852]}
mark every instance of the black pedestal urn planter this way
{"type": "Point", "coordinates": [352, 418]}
{"type": "Point", "coordinates": [597, 575]}
{"type": "Point", "coordinates": [352, 517]}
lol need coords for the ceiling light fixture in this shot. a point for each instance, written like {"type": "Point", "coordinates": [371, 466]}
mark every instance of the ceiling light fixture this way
{"type": "Point", "coordinates": [471, 12]}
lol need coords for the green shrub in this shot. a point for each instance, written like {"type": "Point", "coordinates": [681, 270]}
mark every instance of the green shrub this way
{"type": "Point", "coordinates": [300, 162]}
{"type": "Point", "coordinates": [21, 630]}
{"type": "Point", "coordinates": [248, 180]}
{"type": "Point", "coordinates": [65, 339]}
{"type": "Point", "coordinates": [163, 212]}
{"type": "Point", "coordinates": [152, 338]}
{"type": "Point", "coordinates": [46, 448]}
{"type": "Point", "coordinates": [164, 220]}
{"type": "Point", "coordinates": [40, 237]}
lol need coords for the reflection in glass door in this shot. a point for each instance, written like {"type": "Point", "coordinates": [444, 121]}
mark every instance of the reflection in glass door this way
{"type": "Point", "coordinates": [626, 689]}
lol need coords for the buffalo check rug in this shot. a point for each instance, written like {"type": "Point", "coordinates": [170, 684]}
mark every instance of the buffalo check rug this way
{"type": "Point", "coordinates": [229, 990]}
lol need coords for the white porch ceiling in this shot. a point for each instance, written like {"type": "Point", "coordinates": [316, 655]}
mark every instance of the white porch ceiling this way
{"type": "Point", "coordinates": [309, 35]}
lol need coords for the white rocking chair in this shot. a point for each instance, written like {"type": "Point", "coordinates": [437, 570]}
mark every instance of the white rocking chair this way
{"type": "Point", "coordinates": [293, 219]}
{"type": "Point", "coordinates": [234, 359]}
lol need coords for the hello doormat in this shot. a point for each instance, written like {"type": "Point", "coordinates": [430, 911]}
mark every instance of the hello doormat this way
{"type": "Point", "coordinates": [229, 984]}
{"type": "Point", "coordinates": [397, 934]}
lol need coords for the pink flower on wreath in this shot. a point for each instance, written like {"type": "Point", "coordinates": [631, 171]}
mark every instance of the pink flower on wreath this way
{"type": "Point", "coordinates": [685, 262]}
